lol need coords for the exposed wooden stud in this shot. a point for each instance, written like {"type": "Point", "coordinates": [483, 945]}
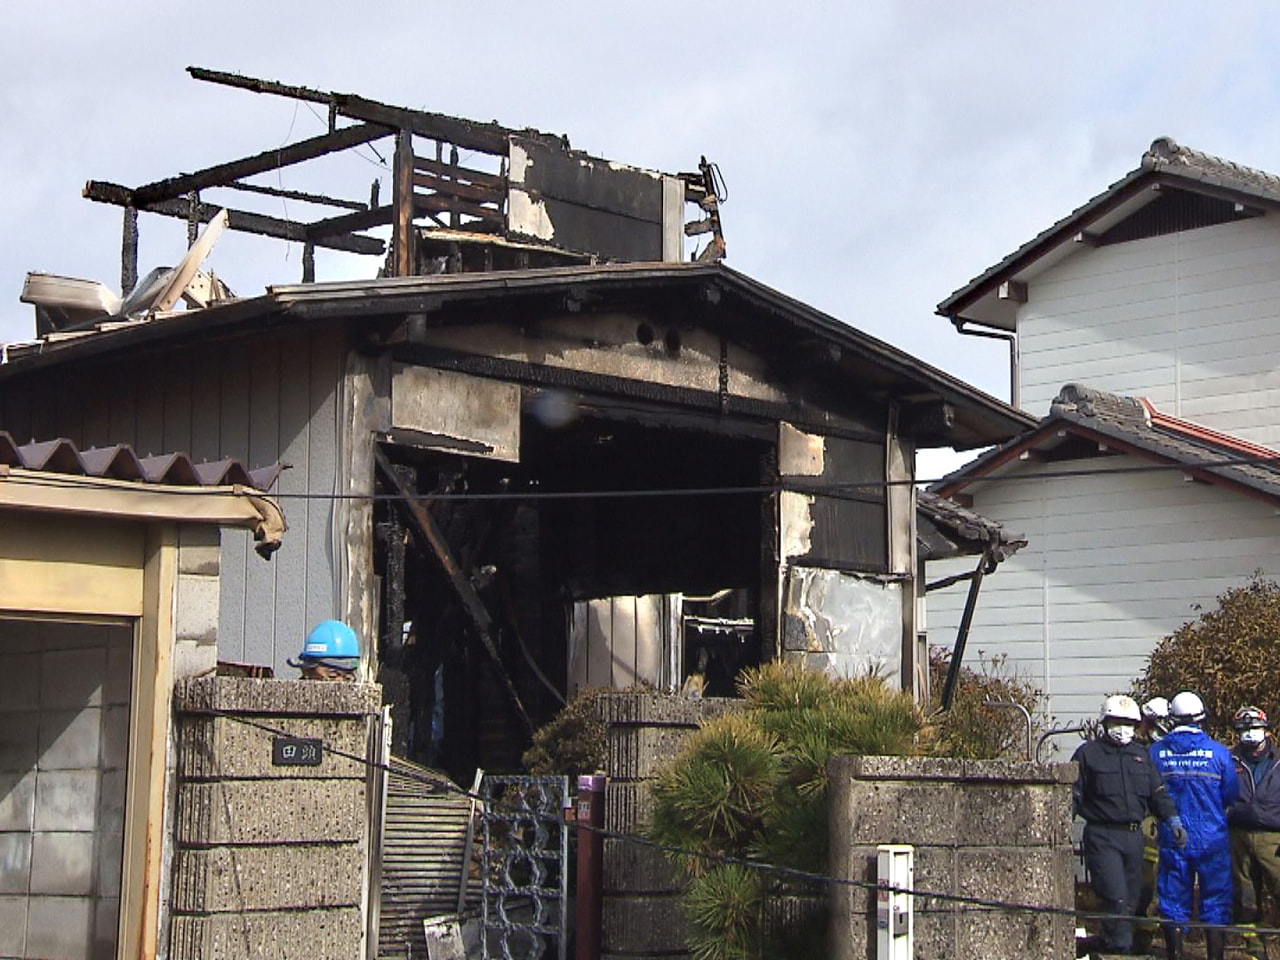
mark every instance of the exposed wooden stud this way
{"type": "Point", "coordinates": [309, 262]}
{"type": "Point", "coordinates": [426, 202]}
{"type": "Point", "coordinates": [1013, 290]}
{"type": "Point", "coordinates": [479, 178]}
{"type": "Point", "coordinates": [226, 173]}
{"type": "Point", "coordinates": [240, 220]}
{"type": "Point", "coordinates": [429, 181]}
{"type": "Point", "coordinates": [402, 201]}
{"type": "Point", "coordinates": [193, 218]}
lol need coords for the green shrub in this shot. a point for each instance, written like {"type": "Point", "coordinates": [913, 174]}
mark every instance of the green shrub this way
{"type": "Point", "coordinates": [753, 785]}
{"type": "Point", "coordinates": [573, 742]}
{"type": "Point", "coordinates": [970, 729]}
{"type": "Point", "coordinates": [1229, 655]}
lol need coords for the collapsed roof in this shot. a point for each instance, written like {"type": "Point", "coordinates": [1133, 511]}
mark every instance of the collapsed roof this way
{"type": "Point", "coordinates": [534, 200]}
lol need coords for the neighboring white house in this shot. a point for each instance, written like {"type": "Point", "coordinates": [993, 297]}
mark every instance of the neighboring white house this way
{"type": "Point", "coordinates": [1166, 286]}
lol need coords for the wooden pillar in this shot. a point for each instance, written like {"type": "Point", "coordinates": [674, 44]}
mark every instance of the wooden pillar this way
{"type": "Point", "coordinates": [402, 201]}
{"type": "Point", "coordinates": [129, 252]}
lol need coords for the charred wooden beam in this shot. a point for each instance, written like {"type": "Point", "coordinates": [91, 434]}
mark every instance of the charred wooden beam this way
{"type": "Point", "coordinates": [426, 203]}
{"type": "Point", "coordinates": [402, 205]}
{"type": "Point", "coordinates": [426, 527]}
{"type": "Point", "coordinates": [227, 173]}
{"type": "Point", "coordinates": [470, 191]}
{"type": "Point", "coordinates": [129, 251]}
{"type": "Point", "coordinates": [477, 177]}
{"type": "Point", "coordinates": [239, 219]}
{"type": "Point", "coordinates": [468, 134]}
{"type": "Point", "coordinates": [361, 220]}
{"type": "Point", "coordinates": [302, 195]}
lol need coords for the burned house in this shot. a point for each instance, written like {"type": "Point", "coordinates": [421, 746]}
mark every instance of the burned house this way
{"type": "Point", "coordinates": [540, 450]}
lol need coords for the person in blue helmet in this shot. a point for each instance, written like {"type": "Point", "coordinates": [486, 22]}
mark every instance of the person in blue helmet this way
{"type": "Point", "coordinates": [331, 652]}
{"type": "Point", "coordinates": [1201, 776]}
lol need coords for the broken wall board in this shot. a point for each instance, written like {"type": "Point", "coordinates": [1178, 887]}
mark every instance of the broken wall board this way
{"type": "Point", "coordinates": [837, 514]}
{"type": "Point", "coordinates": [843, 624]}
{"type": "Point", "coordinates": [581, 203]}
{"type": "Point", "coordinates": [455, 412]}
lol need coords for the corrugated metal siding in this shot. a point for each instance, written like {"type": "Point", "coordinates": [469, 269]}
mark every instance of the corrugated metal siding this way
{"type": "Point", "coordinates": [423, 849]}
{"type": "Point", "coordinates": [274, 401]}
{"type": "Point", "coordinates": [1190, 320]}
{"type": "Point", "coordinates": [1112, 564]}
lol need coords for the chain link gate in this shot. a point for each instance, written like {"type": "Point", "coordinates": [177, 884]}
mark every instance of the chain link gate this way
{"type": "Point", "coordinates": [526, 878]}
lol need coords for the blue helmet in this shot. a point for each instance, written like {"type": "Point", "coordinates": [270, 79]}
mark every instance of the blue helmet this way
{"type": "Point", "coordinates": [332, 644]}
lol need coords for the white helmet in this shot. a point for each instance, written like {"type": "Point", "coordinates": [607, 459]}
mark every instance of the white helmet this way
{"type": "Point", "coordinates": [1120, 707]}
{"type": "Point", "coordinates": [1156, 709]}
{"type": "Point", "coordinates": [1186, 706]}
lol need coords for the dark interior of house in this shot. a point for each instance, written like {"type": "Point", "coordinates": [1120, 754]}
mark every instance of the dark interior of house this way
{"type": "Point", "coordinates": [593, 510]}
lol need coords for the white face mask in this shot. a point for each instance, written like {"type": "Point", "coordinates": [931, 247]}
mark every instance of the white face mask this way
{"type": "Point", "coordinates": [1121, 733]}
{"type": "Point", "coordinates": [1253, 737]}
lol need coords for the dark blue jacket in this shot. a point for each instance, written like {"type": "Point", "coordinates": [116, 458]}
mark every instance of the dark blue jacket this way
{"type": "Point", "coordinates": [1259, 805]}
{"type": "Point", "coordinates": [1201, 776]}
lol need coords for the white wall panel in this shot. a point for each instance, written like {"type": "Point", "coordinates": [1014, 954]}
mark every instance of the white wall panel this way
{"type": "Point", "coordinates": [1117, 562]}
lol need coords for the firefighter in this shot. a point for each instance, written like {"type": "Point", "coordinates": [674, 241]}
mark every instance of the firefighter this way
{"type": "Point", "coordinates": [1201, 777]}
{"type": "Point", "coordinates": [1254, 819]}
{"type": "Point", "coordinates": [1117, 786]}
{"type": "Point", "coordinates": [331, 652]}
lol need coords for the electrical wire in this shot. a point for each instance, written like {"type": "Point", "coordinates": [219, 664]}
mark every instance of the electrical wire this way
{"type": "Point", "coordinates": [790, 873]}
{"type": "Point", "coordinates": [808, 487]}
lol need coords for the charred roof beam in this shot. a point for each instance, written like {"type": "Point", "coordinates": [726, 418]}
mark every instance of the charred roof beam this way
{"type": "Point", "coordinates": [468, 134]}
{"type": "Point", "coordinates": [225, 174]}
{"type": "Point", "coordinates": [239, 219]}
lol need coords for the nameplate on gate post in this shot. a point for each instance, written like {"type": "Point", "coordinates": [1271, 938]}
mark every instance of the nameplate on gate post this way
{"type": "Point", "coordinates": [296, 752]}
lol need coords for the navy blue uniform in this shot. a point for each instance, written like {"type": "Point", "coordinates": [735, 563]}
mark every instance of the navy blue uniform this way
{"type": "Point", "coordinates": [1116, 788]}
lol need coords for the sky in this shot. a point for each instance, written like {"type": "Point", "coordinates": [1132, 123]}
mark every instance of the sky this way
{"type": "Point", "coordinates": [877, 155]}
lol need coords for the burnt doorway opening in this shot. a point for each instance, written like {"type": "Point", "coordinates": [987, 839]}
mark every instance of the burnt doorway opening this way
{"type": "Point", "coordinates": [596, 508]}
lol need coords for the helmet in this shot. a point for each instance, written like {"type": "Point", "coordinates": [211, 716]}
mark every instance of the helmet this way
{"type": "Point", "coordinates": [1248, 718]}
{"type": "Point", "coordinates": [1121, 707]}
{"type": "Point", "coordinates": [1156, 709]}
{"type": "Point", "coordinates": [331, 643]}
{"type": "Point", "coordinates": [1187, 706]}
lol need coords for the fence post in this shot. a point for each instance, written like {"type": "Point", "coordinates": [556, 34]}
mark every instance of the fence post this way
{"type": "Point", "coordinates": [590, 863]}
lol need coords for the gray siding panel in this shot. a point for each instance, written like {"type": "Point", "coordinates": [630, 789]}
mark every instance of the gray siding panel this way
{"type": "Point", "coordinates": [233, 433]}
{"type": "Point", "coordinates": [264, 447]}
{"type": "Point", "coordinates": [328, 352]}
{"type": "Point", "coordinates": [290, 561]}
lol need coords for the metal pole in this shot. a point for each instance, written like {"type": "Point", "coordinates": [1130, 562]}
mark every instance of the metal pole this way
{"type": "Point", "coordinates": [590, 862]}
{"type": "Point", "coordinates": [962, 635]}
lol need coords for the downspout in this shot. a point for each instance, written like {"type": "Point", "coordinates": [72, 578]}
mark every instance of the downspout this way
{"type": "Point", "coordinates": [1012, 338]}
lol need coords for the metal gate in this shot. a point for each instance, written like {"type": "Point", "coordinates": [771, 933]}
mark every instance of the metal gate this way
{"type": "Point", "coordinates": [524, 909]}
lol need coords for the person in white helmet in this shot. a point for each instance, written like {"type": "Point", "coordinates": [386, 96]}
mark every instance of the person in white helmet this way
{"type": "Point", "coordinates": [1117, 786]}
{"type": "Point", "coordinates": [1202, 779]}
{"type": "Point", "coordinates": [1155, 720]}
{"type": "Point", "coordinates": [1254, 819]}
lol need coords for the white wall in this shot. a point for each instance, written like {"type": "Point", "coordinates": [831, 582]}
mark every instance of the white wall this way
{"type": "Point", "coordinates": [1113, 564]}
{"type": "Point", "coordinates": [1190, 320]}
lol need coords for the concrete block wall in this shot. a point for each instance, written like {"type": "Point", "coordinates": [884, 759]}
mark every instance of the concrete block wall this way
{"type": "Point", "coordinates": [269, 861]}
{"type": "Point", "coordinates": [642, 913]}
{"type": "Point", "coordinates": [989, 829]}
